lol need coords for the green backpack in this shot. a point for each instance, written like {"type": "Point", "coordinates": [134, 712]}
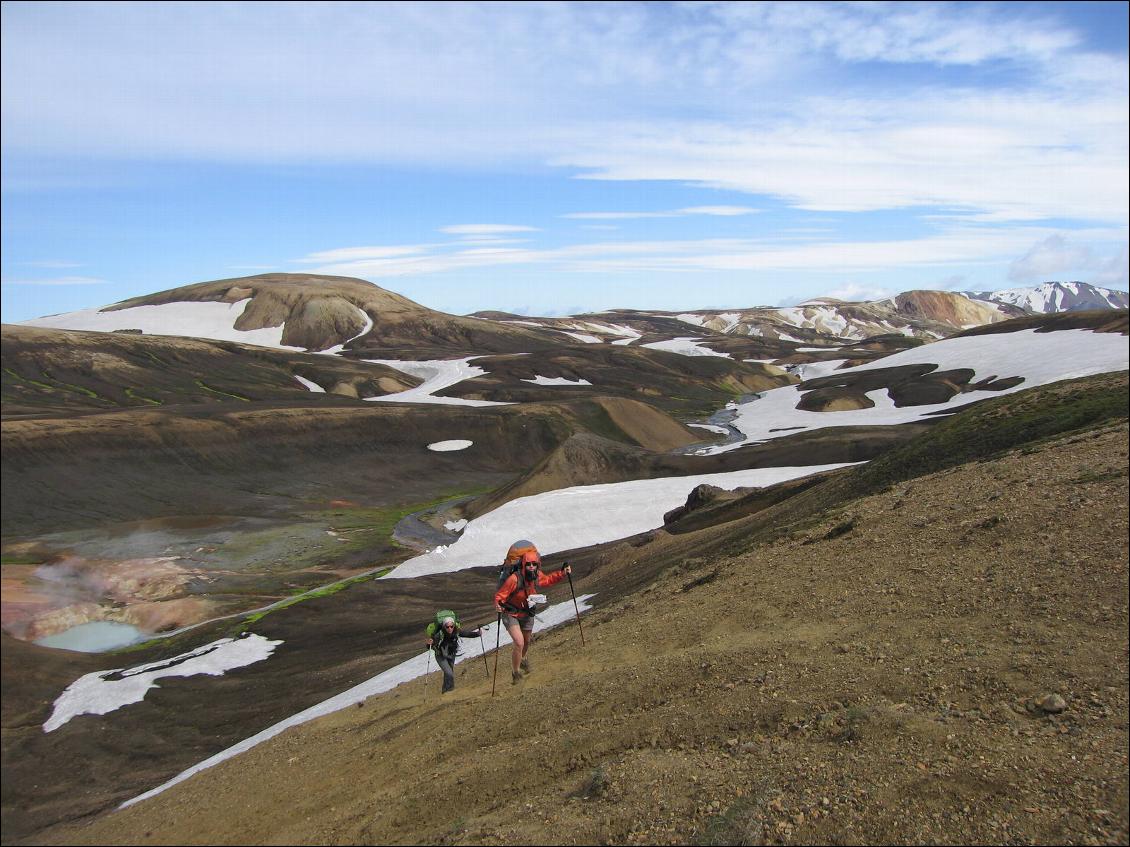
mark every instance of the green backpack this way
{"type": "Point", "coordinates": [436, 625]}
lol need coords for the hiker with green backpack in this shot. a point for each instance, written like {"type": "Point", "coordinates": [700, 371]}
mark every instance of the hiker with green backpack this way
{"type": "Point", "coordinates": [443, 637]}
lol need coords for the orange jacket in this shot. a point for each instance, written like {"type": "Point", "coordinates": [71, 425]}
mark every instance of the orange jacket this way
{"type": "Point", "coordinates": [513, 592]}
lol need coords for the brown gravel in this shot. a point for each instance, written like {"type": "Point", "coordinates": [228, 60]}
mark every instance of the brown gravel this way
{"type": "Point", "coordinates": [945, 662]}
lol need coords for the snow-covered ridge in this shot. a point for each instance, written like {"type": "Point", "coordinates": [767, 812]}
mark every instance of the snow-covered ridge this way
{"type": "Point", "coordinates": [1056, 297]}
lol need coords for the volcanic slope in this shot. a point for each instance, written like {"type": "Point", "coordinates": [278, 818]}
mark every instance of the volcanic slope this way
{"type": "Point", "coordinates": [52, 371]}
{"type": "Point", "coordinates": [306, 311]}
{"type": "Point", "coordinates": [679, 384]}
{"type": "Point", "coordinates": [922, 314]}
{"type": "Point", "coordinates": [941, 660]}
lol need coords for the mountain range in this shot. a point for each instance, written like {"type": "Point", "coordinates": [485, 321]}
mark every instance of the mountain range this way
{"type": "Point", "coordinates": [840, 526]}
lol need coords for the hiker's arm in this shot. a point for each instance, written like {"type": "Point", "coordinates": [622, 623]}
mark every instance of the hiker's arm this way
{"type": "Point", "coordinates": [505, 591]}
{"type": "Point", "coordinates": [549, 579]}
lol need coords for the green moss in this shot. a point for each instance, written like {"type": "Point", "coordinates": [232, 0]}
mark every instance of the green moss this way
{"type": "Point", "coordinates": [325, 591]}
{"type": "Point", "coordinates": [21, 560]}
{"type": "Point", "coordinates": [201, 384]}
{"type": "Point", "coordinates": [132, 394]}
{"type": "Point", "coordinates": [25, 379]}
{"type": "Point", "coordinates": [134, 648]}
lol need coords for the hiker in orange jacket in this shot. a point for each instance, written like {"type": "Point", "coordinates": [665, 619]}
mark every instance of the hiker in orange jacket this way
{"type": "Point", "coordinates": [517, 599]}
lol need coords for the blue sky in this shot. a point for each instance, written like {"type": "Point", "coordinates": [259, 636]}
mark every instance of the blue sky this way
{"type": "Point", "coordinates": [548, 158]}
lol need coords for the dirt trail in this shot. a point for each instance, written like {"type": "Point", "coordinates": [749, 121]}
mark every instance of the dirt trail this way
{"type": "Point", "coordinates": [945, 662]}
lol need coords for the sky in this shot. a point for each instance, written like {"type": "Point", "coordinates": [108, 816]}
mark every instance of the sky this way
{"type": "Point", "coordinates": [555, 158]}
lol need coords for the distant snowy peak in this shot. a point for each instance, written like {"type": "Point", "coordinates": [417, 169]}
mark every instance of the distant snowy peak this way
{"type": "Point", "coordinates": [1056, 297]}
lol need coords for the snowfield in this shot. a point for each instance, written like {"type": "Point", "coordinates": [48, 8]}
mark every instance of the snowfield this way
{"type": "Point", "coordinates": [581, 516]}
{"type": "Point", "coordinates": [1040, 358]}
{"type": "Point", "coordinates": [194, 320]}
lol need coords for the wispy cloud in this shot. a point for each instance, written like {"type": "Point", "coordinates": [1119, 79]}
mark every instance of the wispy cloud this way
{"type": "Point", "coordinates": [1057, 256]}
{"type": "Point", "coordinates": [58, 264]}
{"type": "Point", "coordinates": [955, 245]}
{"type": "Point", "coordinates": [719, 211]}
{"type": "Point", "coordinates": [855, 292]}
{"type": "Point", "coordinates": [485, 229]}
{"type": "Point", "coordinates": [761, 98]}
{"type": "Point", "coordinates": [59, 280]}
{"type": "Point", "coordinates": [354, 254]}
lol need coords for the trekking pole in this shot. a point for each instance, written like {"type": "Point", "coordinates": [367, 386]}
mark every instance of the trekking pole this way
{"type": "Point", "coordinates": [497, 636]}
{"type": "Point", "coordinates": [426, 672]}
{"type": "Point", "coordinates": [483, 651]}
{"type": "Point", "coordinates": [575, 609]}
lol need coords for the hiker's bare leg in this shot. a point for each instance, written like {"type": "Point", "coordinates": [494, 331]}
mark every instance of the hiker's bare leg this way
{"type": "Point", "coordinates": [529, 640]}
{"type": "Point", "coordinates": [517, 636]}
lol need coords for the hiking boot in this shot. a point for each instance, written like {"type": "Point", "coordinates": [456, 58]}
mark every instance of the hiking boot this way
{"type": "Point", "coordinates": [515, 678]}
{"type": "Point", "coordinates": [525, 665]}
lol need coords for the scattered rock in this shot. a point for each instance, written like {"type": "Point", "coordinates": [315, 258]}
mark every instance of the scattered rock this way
{"type": "Point", "coordinates": [1052, 704]}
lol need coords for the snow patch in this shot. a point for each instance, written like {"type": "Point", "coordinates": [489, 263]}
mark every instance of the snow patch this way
{"type": "Point", "coordinates": [580, 336]}
{"type": "Point", "coordinates": [310, 384]}
{"type": "Point", "coordinates": [556, 380]}
{"type": "Point", "coordinates": [450, 446]}
{"type": "Point", "coordinates": [685, 347]}
{"type": "Point", "coordinates": [97, 694]}
{"type": "Point", "coordinates": [406, 671]}
{"type": "Point", "coordinates": [437, 375]}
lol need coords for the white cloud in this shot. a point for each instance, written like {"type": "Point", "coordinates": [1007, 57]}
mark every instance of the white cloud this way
{"type": "Point", "coordinates": [59, 280]}
{"type": "Point", "coordinates": [1003, 157]}
{"type": "Point", "coordinates": [720, 211]}
{"type": "Point", "coordinates": [354, 254]}
{"type": "Point", "coordinates": [955, 245]}
{"type": "Point", "coordinates": [52, 263]}
{"type": "Point", "coordinates": [485, 229]}
{"type": "Point", "coordinates": [854, 292]}
{"type": "Point", "coordinates": [767, 99]}
{"type": "Point", "coordinates": [1057, 258]}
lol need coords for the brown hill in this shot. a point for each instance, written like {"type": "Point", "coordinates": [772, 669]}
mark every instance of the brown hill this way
{"type": "Point", "coordinates": [57, 371]}
{"type": "Point", "coordinates": [319, 312]}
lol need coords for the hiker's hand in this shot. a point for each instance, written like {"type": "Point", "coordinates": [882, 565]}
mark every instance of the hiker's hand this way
{"type": "Point", "coordinates": [429, 642]}
{"type": "Point", "coordinates": [498, 608]}
{"type": "Point", "coordinates": [568, 570]}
